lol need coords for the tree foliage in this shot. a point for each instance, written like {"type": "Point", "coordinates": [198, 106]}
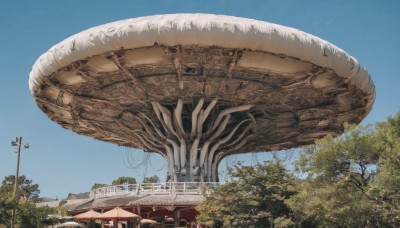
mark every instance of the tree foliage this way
{"type": "Point", "coordinates": [124, 180]}
{"type": "Point", "coordinates": [97, 185]}
{"type": "Point", "coordinates": [27, 214]}
{"type": "Point", "coordinates": [153, 179]}
{"type": "Point", "coordinates": [25, 188]}
{"type": "Point", "coordinates": [118, 181]}
{"type": "Point", "coordinates": [255, 197]}
{"type": "Point", "coordinates": [386, 186]}
{"type": "Point", "coordinates": [7, 203]}
{"type": "Point", "coordinates": [351, 180]}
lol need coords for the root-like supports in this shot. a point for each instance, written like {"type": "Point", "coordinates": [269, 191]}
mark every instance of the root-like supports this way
{"type": "Point", "coordinates": [193, 154]}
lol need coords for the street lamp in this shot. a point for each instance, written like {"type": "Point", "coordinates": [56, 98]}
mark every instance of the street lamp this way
{"type": "Point", "coordinates": [17, 143]}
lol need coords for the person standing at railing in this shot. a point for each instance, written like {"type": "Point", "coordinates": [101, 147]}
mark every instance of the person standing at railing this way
{"type": "Point", "coordinates": [168, 177]}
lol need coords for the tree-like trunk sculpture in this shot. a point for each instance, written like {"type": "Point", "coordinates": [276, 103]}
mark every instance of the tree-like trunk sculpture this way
{"type": "Point", "coordinates": [193, 152]}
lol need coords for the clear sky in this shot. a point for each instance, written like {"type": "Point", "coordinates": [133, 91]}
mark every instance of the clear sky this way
{"type": "Point", "coordinates": [61, 161]}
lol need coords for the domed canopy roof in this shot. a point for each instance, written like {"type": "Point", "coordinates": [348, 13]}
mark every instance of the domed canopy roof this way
{"type": "Point", "coordinates": [301, 87]}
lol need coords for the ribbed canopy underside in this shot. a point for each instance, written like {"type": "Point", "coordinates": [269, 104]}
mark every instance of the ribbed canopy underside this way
{"type": "Point", "coordinates": [301, 86]}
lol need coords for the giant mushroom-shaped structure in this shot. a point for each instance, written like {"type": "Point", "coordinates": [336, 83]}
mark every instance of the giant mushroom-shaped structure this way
{"type": "Point", "coordinates": [197, 87]}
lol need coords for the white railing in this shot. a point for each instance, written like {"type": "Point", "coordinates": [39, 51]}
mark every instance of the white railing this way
{"type": "Point", "coordinates": [185, 188]}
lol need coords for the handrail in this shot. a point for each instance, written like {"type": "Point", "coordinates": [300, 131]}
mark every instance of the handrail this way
{"type": "Point", "coordinates": [185, 188]}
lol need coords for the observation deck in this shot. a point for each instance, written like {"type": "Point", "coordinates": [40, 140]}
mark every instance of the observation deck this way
{"type": "Point", "coordinates": [169, 188]}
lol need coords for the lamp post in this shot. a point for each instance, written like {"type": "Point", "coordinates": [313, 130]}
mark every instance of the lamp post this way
{"type": "Point", "coordinates": [17, 143]}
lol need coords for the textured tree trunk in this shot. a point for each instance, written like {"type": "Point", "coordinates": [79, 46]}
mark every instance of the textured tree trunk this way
{"type": "Point", "coordinates": [194, 155]}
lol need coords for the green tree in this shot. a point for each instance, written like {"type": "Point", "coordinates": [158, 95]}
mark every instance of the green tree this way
{"type": "Point", "coordinates": [7, 203]}
{"type": "Point", "coordinates": [27, 214]}
{"type": "Point", "coordinates": [124, 180]}
{"type": "Point", "coordinates": [97, 185]}
{"type": "Point", "coordinates": [61, 210]}
{"type": "Point", "coordinates": [342, 173]}
{"type": "Point", "coordinates": [385, 187]}
{"type": "Point", "coordinates": [153, 179]}
{"type": "Point", "coordinates": [25, 189]}
{"type": "Point", "coordinates": [255, 196]}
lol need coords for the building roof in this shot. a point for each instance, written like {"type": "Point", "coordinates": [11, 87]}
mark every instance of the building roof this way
{"type": "Point", "coordinates": [114, 201]}
{"type": "Point", "coordinates": [84, 195]}
{"type": "Point", "coordinates": [52, 204]}
{"type": "Point", "coordinates": [147, 200]}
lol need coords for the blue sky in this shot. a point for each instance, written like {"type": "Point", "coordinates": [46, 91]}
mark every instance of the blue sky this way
{"type": "Point", "coordinates": [61, 161]}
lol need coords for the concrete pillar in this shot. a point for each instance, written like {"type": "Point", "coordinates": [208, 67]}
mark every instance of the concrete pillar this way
{"type": "Point", "coordinates": [176, 218]}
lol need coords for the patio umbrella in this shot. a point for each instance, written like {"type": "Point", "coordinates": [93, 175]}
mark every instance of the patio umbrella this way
{"type": "Point", "coordinates": [117, 214]}
{"type": "Point", "coordinates": [88, 215]}
{"type": "Point", "coordinates": [71, 224]}
{"type": "Point", "coordinates": [148, 221]}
